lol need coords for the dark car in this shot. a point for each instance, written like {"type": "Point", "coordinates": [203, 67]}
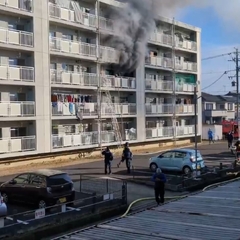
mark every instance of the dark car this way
{"type": "Point", "coordinates": [41, 188]}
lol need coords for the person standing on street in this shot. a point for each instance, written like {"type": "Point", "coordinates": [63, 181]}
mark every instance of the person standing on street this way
{"type": "Point", "coordinates": [159, 188]}
{"type": "Point", "coordinates": [237, 145]}
{"type": "Point", "coordinates": [230, 139]}
{"type": "Point", "coordinates": [108, 157]}
{"type": "Point", "coordinates": [127, 156]}
{"type": "Point", "coordinates": [210, 136]}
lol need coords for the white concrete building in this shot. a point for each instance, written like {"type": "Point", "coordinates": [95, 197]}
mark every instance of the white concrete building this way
{"type": "Point", "coordinates": [52, 62]}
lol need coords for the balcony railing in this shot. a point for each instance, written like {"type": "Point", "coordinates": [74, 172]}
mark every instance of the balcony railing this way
{"type": "Point", "coordinates": [186, 66]}
{"type": "Point", "coordinates": [184, 109]}
{"type": "Point", "coordinates": [161, 38]}
{"type": "Point", "coordinates": [66, 109]}
{"type": "Point", "coordinates": [118, 82]}
{"type": "Point", "coordinates": [16, 73]}
{"type": "Point", "coordinates": [184, 87]}
{"type": "Point", "coordinates": [72, 47]}
{"type": "Point", "coordinates": [159, 62]}
{"type": "Point", "coordinates": [109, 55]}
{"type": "Point", "coordinates": [18, 144]}
{"type": "Point", "coordinates": [15, 37]}
{"type": "Point", "coordinates": [106, 24]}
{"type": "Point", "coordinates": [74, 78]}
{"type": "Point", "coordinates": [22, 5]}
{"type": "Point", "coordinates": [159, 85]}
{"type": "Point", "coordinates": [185, 130]}
{"type": "Point", "coordinates": [163, 132]}
{"type": "Point", "coordinates": [17, 109]}
{"type": "Point", "coordinates": [186, 44]}
{"type": "Point", "coordinates": [152, 108]}
{"type": "Point", "coordinates": [68, 15]}
{"type": "Point", "coordinates": [118, 109]}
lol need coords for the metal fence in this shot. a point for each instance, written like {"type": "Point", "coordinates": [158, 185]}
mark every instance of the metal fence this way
{"type": "Point", "coordinates": [92, 195]}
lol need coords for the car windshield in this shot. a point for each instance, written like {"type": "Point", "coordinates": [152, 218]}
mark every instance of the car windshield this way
{"type": "Point", "coordinates": [198, 154]}
{"type": "Point", "coordinates": [58, 180]}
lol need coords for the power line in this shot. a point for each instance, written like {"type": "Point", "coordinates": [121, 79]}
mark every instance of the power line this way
{"type": "Point", "coordinates": [216, 56]}
{"type": "Point", "coordinates": [233, 70]}
{"type": "Point", "coordinates": [215, 81]}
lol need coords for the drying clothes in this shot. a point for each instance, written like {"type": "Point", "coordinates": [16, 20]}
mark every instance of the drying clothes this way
{"type": "Point", "coordinates": [60, 106]}
{"type": "Point", "coordinates": [71, 108]}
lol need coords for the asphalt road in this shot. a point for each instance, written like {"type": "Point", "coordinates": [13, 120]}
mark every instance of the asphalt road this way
{"type": "Point", "coordinates": [212, 154]}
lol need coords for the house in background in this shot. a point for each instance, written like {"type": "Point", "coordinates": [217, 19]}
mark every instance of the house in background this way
{"type": "Point", "coordinates": [216, 108]}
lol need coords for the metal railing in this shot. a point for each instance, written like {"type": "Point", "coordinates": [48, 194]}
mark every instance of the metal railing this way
{"type": "Point", "coordinates": [17, 73]}
{"type": "Point", "coordinates": [17, 109]}
{"type": "Point", "coordinates": [186, 66]}
{"type": "Point", "coordinates": [159, 85]}
{"type": "Point", "coordinates": [184, 87]}
{"type": "Point", "coordinates": [161, 38]}
{"type": "Point", "coordinates": [16, 37]}
{"type": "Point", "coordinates": [106, 24]}
{"type": "Point", "coordinates": [185, 130]}
{"type": "Point", "coordinates": [119, 109]}
{"type": "Point", "coordinates": [72, 47]}
{"type": "Point", "coordinates": [111, 81]}
{"type": "Point", "coordinates": [187, 45]}
{"type": "Point", "coordinates": [74, 78]}
{"type": "Point", "coordinates": [66, 14]}
{"type": "Point", "coordinates": [70, 109]}
{"type": "Point", "coordinates": [91, 195]}
{"type": "Point", "coordinates": [22, 5]}
{"type": "Point", "coordinates": [163, 132]}
{"type": "Point", "coordinates": [109, 55]}
{"type": "Point", "coordinates": [159, 62]}
{"type": "Point", "coordinates": [184, 109]}
{"type": "Point", "coordinates": [152, 108]}
{"type": "Point", "coordinates": [17, 144]}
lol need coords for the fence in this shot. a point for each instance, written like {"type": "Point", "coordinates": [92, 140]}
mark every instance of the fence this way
{"type": "Point", "coordinates": [92, 195]}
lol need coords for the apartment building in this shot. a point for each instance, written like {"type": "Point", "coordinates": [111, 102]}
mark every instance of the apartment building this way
{"type": "Point", "coordinates": [59, 89]}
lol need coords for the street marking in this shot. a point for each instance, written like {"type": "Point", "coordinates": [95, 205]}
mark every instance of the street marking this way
{"type": "Point", "coordinates": [75, 209]}
{"type": "Point", "coordinates": [20, 221]}
{"type": "Point", "coordinates": [110, 178]}
{"type": "Point", "coordinates": [9, 218]}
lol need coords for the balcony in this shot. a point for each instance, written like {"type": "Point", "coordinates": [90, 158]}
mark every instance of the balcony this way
{"type": "Point", "coordinates": [21, 5]}
{"type": "Point", "coordinates": [17, 109]}
{"type": "Point", "coordinates": [154, 109]}
{"type": "Point", "coordinates": [187, 88]}
{"type": "Point", "coordinates": [73, 47]}
{"type": "Point", "coordinates": [182, 131]}
{"type": "Point", "coordinates": [74, 78]}
{"type": "Point", "coordinates": [186, 66]}
{"type": "Point", "coordinates": [159, 85]}
{"type": "Point", "coordinates": [16, 73]}
{"type": "Point", "coordinates": [68, 15]}
{"type": "Point", "coordinates": [162, 62]}
{"type": "Point", "coordinates": [66, 109]}
{"type": "Point", "coordinates": [15, 37]}
{"type": "Point", "coordinates": [160, 38]}
{"type": "Point", "coordinates": [18, 144]}
{"type": "Point", "coordinates": [118, 109]}
{"type": "Point", "coordinates": [163, 132]}
{"type": "Point", "coordinates": [105, 24]}
{"type": "Point", "coordinates": [108, 81]}
{"type": "Point", "coordinates": [187, 45]}
{"type": "Point", "coordinates": [109, 55]}
{"type": "Point", "coordinates": [184, 109]}
{"type": "Point", "coordinates": [218, 113]}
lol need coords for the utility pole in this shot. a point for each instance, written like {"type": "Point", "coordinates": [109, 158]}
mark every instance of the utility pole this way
{"type": "Point", "coordinates": [236, 83]}
{"type": "Point", "coordinates": [195, 124]}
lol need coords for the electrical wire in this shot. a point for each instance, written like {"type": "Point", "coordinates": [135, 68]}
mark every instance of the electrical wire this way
{"type": "Point", "coordinates": [177, 197]}
{"type": "Point", "coordinates": [216, 56]}
{"type": "Point", "coordinates": [215, 81]}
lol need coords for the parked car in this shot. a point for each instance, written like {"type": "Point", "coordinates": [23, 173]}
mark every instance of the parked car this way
{"type": "Point", "coordinates": [41, 188]}
{"type": "Point", "coordinates": [3, 207]}
{"type": "Point", "coordinates": [182, 160]}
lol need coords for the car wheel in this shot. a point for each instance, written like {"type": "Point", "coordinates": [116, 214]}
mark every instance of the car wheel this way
{"type": "Point", "coordinates": [42, 204]}
{"type": "Point", "coordinates": [5, 197]}
{"type": "Point", "coordinates": [153, 167]}
{"type": "Point", "coordinates": [186, 170]}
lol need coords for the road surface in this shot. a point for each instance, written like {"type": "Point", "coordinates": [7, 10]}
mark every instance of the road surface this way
{"type": "Point", "coordinates": [212, 154]}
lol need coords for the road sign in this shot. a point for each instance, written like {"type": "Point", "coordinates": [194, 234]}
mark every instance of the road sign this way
{"type": "Point", "coordinates": [40, 213]}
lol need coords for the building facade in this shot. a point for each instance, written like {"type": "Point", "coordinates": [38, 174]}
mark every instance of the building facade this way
{"type": "Point", "coordinates": [56, 76]}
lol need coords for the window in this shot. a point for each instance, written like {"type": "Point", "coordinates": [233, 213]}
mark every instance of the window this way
{"type": "Point", "coordinates": [209, 106]}
{"type": "Point", "coordinates": [67, 37]}
{"type": "Point", "coordinates": [67, 67]}
{"type": "Point", "coordinates": [230, 107]}
{"type": "Point", "coordinates": [23, 178]}
{"type": "Point", "coordinates": [167, 155]}
{"type": "Point", "coordinates": [222, 107]}
{"type": "Point", "coordinates": [58, 180]}
{"type": "Point", "coordinates": [37, 180]}
{"type": "Point", "coordinates": [180, 154]}
{"type": "Point", "coordinates": [12, 62]}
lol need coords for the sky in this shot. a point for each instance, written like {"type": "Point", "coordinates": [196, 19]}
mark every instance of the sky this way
{"type": "Point", "coordinates": [220, 24]}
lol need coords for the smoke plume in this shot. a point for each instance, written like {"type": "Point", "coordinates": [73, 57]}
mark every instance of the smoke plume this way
{"type": "Point", "coordinates": [134, 24]}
